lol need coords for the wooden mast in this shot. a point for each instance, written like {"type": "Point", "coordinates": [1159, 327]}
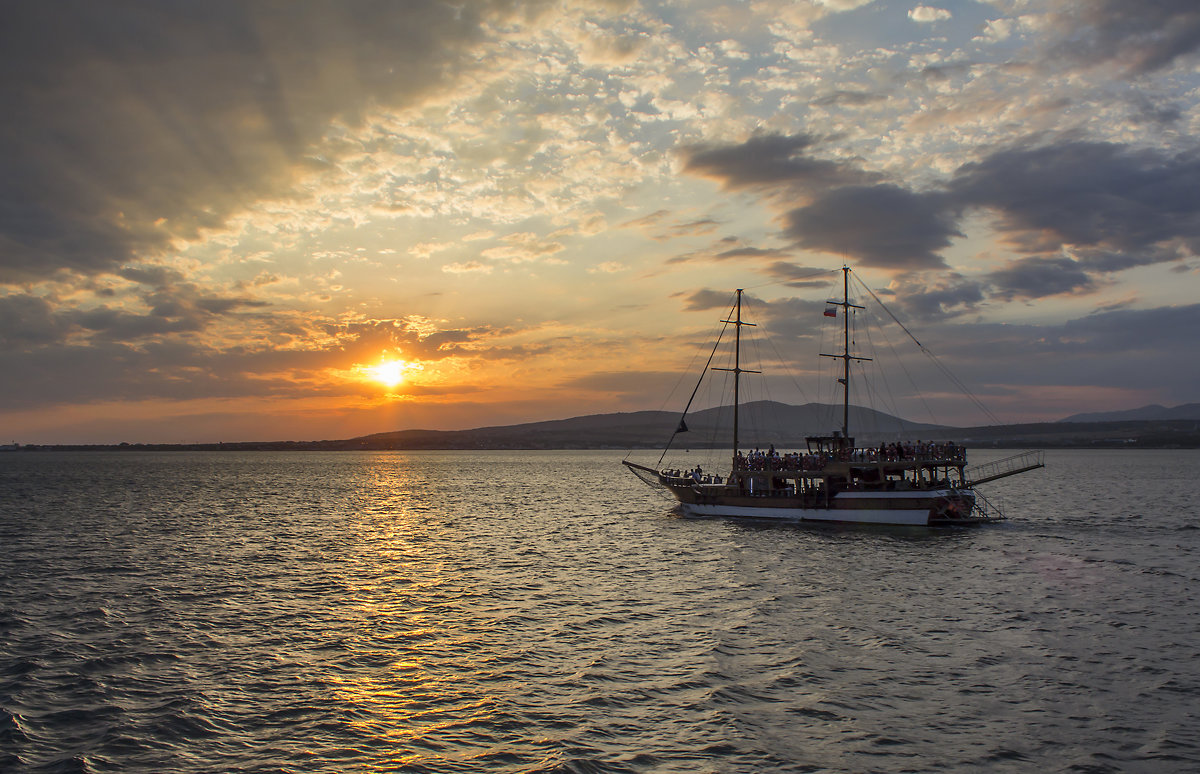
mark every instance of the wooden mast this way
{"type": "Point", "coordinates": [737, 363]}
{"type": "Point", "coordinates": [845, 356]}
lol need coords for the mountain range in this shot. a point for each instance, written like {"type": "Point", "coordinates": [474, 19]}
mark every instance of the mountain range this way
{"type": "Point", "coordinates": [761, 424]}
{"type": "Point", "coordinates": [1153, 412]}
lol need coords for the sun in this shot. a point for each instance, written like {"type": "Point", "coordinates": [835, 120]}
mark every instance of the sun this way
{"type": "Point", "coordinates": [389, 373]}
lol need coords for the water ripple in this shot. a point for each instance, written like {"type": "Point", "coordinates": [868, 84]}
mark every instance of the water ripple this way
{"type": "Point", "coordinates": [373, 612]}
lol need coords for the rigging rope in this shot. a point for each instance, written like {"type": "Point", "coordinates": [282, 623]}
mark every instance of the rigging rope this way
{"type": "Point", "coordinates": [945, 371]}
{"type": "Point", "coordinates": [700, 381]}
{"type": "Point", "coordinates": [887, 397]}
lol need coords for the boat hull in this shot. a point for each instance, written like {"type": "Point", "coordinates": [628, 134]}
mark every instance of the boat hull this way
{"type": "Point", "coordinates": [921, 508]}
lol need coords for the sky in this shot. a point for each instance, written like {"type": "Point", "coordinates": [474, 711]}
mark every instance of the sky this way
{"type": "Point", "coordinates": [239, 220]}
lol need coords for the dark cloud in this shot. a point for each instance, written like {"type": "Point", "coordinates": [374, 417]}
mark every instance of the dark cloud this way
{"type": "Point", "coordinates": [770, 159]}
{"type": "Point", "coordinates": [788, 321]}
{"type": "Point", "coordinates": [691, 227]}
{"type": "Point", "coordinates": [750, 252]}
{"type": "Point", "coordinates": [1141, 36]}
{"type": "Point", "coordinates": [736, 253]}
{"type": "Point", "coordinates": [119, 325]}
{"type": "Point", "coordinates": [1110, 206]}
{"type": "Point", "coordinates": [847, 210]}
{"type": "Point", "coordinates": [128, 124]}
{"type": "Point", "coordinates": [149, 275]}
{"type": "Point", "coordinates": [27, 321]}
{"type": "Point", "coordinates": [1151, 111]}
{"type": "Point", "coordinates": [943, 296]}
{"type": "Point", "coordinates": [1039, 277]}
{"type": "Point", "coordinates": [947, 72]}
{"type": "Point", "coordinates": [843, 97]}
{"type": "Point", "coordinates": [701, 300]}
{"type": "Point", "coordinates": [1119, 349]}
{"type": "Point", "coordinates": [1086, 194]}
{"type": "Point", "coordinates": [882, 225]}
{"type": "Point", "coordinates": [1108, 261]}
{"type": "Point", "coordinates": [1166, 331]}
{"type": "Point", "coordinates": [794, 276]}
{"type": "Point", "coordinates": [1014, 366]}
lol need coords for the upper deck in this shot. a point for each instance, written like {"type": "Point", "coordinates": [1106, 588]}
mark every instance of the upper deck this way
{"type": "Point", "coordinates": [835, 459]}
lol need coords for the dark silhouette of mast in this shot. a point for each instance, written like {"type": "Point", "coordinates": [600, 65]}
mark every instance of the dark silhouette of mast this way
{"type": "Point", "coordinates": [737, 369]}
{"type": "Point", "coordinates": [845, 356]}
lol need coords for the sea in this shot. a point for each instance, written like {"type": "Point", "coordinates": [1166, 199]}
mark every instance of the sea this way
{"type": "Point", "coordinates": [548, 612]}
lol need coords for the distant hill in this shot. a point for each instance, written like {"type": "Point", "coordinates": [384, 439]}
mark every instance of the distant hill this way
{"type": "Point", "coordinates": [760, 423]}
{"type": "Point", "coordinates": [1151, 413]}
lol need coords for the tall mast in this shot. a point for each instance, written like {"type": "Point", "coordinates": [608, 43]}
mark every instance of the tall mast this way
{"type": "Point", "coordinates": [845, 356]}
{"type": "Point", "coordinates": [737, 363]}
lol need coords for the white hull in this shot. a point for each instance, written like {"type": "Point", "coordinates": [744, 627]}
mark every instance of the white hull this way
{"type": "Point", "coordinates": [907, 509]}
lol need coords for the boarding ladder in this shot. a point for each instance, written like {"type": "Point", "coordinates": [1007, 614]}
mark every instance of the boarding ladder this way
{"type": "Point", "coordinates": [984, 509]}
{"type": "Point", "coordinates": [1009, 466]}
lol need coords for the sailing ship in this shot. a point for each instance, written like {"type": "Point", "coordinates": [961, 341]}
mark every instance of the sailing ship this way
{"type": "Point", "coordinates": [834, 480]}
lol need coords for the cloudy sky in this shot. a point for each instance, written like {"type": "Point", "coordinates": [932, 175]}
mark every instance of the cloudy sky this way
{"type": "Point", "coordinates": [219, 219]}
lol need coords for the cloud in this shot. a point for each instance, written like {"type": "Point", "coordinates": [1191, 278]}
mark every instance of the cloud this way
{"type": "Point", "coordinates": [603, 47]}
{"type": "Point", "coordinates": [1082, 208]}
{"type": "Point", "coordinates": [996, 30]}
{"type": "Point", "coordinates": [1087, 195]}
{"type": "Point", "coordinates": [523, 247]}
{"type": "Point", "coordinates": [845, 97]}
{"type": "Point", "coordinates": [427, 249]}
{"type": "Point", "coordinates": [769, 159]}
{"type": "Point", "coordinates": [27, 321]}
{"type": "Point", "coordinates": [1140, 37]}
{"type": "Point", "coordinates": [703, 300]}
{"type": "Point", "coordinates": [885, 226]}
{"type": "Point", "coordinates": [1039, 277]}
{"type": "Point", "coordinates": [607, 267]}
{"type": "Point", "coordinates": [468, 267]}
{"type": "Point", "coordinates": [750, 252]}
{"type": "Point", "coordinates": [794, 276]}
{"type": "Point", "coordinates": [647, 221]}
{"type": "Point", "coordinates": [160, 304]}
{"type": "Point", "coordinates": [937, 298]}
{"type": "Point", "coordinates": [842, 5]}
{"type": "Point", "coordinates": [129, 126]}
{"type": "Point", "coordinates": [848, 211]}
{"type": "Point", "coordinates": [926, 14]}
{"type": "Point", "coordinates": [1166, 330]}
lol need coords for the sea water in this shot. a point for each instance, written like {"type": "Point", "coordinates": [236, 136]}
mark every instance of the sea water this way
{"type": "Point", "coordinates": [545, 611]}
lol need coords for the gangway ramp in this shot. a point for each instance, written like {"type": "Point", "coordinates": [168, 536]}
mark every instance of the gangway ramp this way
{"type": "Point", "coordinates": [1002, 468]}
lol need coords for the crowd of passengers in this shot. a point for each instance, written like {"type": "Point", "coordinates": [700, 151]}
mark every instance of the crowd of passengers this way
{"type": "Point", "coordinates": [696, 474]}
{"type": "Point", "coordinates": [888, 452]}
{"type": "Point", "coordinates": [773, 460]}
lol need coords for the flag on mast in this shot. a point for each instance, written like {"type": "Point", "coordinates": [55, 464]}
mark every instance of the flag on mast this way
{"type": "Point", "coordinates": [831, 311]}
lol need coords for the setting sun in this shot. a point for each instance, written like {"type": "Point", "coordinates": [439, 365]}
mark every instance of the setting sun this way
{"type": "Point", "coordinates": [389, 373]}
